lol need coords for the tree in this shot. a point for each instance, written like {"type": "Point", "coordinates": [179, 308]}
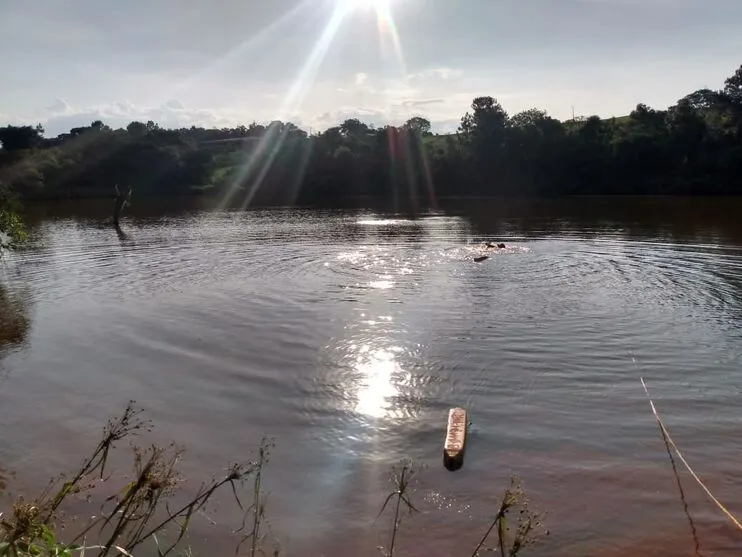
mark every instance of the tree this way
{"type": "Point", "coordinates": [692, 147]}
{"type": "Point", "coordinates": [487, 121]}
{"type": "Point", "coordinates": [484, 136]}
{"type": "Point", "coordinates": [489, 114]}
{"type": "Point", "coordinates": [703, 99]}
{"type": "Point", "coordinates": [99, 126]}
{"type": "Point", "coordinates": [137, 128]}
{"type": "Point", "coordinates": [688, 131]}
{"type": "Point", "coordinates": [418, 125]}
{"type": "Point", "coordinates": [353, 127]}
{"type": "Point", "coordinates": [528, 118]}
{"type": "Point", "coordinates": [646, 121]}
{"type": "Point", "coordinates": [733, 87]}
{"type": "Point", "coordinates": [16, 138]}
{"type": "Point", "coordinates": [537, 122]}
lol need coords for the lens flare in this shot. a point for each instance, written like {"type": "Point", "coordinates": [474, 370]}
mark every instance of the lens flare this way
{"type": "Point", "coordinates": [378, 5]}
{"type": "Point", "coordinates": [260, 158]}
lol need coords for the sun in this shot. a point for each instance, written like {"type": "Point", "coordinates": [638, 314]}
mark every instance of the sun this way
{"type": "Point", "coordinates": [380, 6]}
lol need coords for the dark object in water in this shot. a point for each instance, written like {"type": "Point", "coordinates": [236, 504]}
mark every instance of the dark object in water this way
{"type": "Point", "coordinates": [501, 246]}
{"type": "Point", "coordinates": [455, 445]}
{"type": "Point", "coordinates": [122, 198]}
{"type": "Point", "coordinates": [481, 258]}
{"type": "Point", "coordinates": [490, 245]}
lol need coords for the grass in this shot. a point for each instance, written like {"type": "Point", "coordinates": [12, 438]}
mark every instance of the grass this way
{"type": "Point", "coordinates": [141, 515]}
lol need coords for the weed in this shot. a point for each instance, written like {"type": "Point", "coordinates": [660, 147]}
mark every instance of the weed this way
{"type": "Point", "coordinates": [135, 514]}
{"type": "Point", "coordinates": [141, 511]}
{"type": "Point", "coordinates": [401, 480]}
{"type": "Point", "coordinates": [255, 513]}
{"type": "Point", "coordinates": [528, 524]}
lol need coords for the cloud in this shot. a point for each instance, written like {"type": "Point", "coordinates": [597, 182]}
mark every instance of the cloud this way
{"type": "Point", "coordinates": [443, 74]}
{"type": "Point", "coordinates": [445, 126]}
{"type": "Point", "coordinates": [421, 102]}
{"type": "Point", "coordinates": [60, 116]}
{"type": "Point", "coordinates": [174, 104]}
{"type": "Point", "coordinates": [371, 116]}
{"type": "Point", "coordinates": [58, 107]}
{"type": "Point", "coordinates": [380, 118]}
{"type": "Point", "coordinates": [361, 78]}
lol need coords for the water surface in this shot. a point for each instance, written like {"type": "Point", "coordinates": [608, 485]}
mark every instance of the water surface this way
{"type": "Point", "coordinates": [347, 334]}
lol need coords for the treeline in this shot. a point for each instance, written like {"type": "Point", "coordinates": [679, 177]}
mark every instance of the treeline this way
{"type": "Point", "coordinates": [694, 147]}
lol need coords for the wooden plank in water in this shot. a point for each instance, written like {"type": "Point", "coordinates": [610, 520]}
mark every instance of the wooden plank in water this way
{"type": "Point", "coordinates": [455, 446]}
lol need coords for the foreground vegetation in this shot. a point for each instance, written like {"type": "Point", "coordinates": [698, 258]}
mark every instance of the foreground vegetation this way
{"type": "Point", "coordinates": [148, 511]}
{"type": "Point", "coordinates": [694, 147]}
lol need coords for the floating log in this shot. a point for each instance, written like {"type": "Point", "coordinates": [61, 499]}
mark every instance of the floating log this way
{"type": "Point", "coordinates": [453, 450]}
{"type": "Point", "coordinates": [481, 258]}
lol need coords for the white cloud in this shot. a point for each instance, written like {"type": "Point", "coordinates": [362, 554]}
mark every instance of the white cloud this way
{"type": "Point", "coordinates": [174, 104]}
{"type": "Point", "coordinates": [443, 74]}
{"type": "Point", "coordinates": [421, 102]}
{"type": "Point", "coordinates": [379, 118]}
{"type": "Point", "coordinates": [58, 107]}
{"type": "Point", "coordinates": [60, 116]}
{"type": "Point", "coordinates": [372, 116]}
{"type": "Point", "coordinates": [361, 78]}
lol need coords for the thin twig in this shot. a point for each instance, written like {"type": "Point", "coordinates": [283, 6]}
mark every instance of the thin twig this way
{"type": "Point", "coordinates": [402, 481]}
{"type": "Point", "coordinates": [694, 533]}
{"type": "Point", "coordinates": [685, 462]}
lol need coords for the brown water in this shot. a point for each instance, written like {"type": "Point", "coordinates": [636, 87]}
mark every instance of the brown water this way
{"type": "Point", "coordinates": [348, 334]}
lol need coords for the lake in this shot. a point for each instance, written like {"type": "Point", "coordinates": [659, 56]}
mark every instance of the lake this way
{"type": "Point", "coordinates": [347, 334]}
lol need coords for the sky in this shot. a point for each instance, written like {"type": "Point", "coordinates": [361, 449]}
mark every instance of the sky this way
{"type": "Point", "coordinates": [222, 63]}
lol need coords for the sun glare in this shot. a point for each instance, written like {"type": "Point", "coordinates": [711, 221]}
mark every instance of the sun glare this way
{"type": "Point", "coordinates": [380, 6]}
{"type": "Point", "coordinates": [259, 160]}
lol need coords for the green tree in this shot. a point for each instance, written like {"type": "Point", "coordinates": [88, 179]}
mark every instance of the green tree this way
{"type": "Point", "coordinates": [16, 138]}
{"type": "Point", "coordinates": [703, 99]}
{"type": "Point", "coordinates": [418, 125]}
{"type": "Point", "coordinates": [694, 147]}
{"type": "Point", "coordinates": [137, 129]}
{"type": "Point", "coordinates": [483, 132]}
{"type": "Point", "coordinates": [733, 87]}
{"type": "Point", "coordinates": [353, 127]}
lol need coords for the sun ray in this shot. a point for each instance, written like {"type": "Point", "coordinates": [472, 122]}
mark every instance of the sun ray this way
{"type": "Point", "coordinates": [239, 51]}
{"type": "Point", "coordinates": [388, 30]}
{"type": "Point", "coordinates": [305, 78]}
{"type": "Point", "coordinates": [259, 161]}
{"type": "Point", "coordinates": [269, 143]}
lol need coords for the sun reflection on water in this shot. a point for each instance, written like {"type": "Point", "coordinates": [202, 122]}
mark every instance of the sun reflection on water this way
{"type": "Point", "coordinates": [381, 284]}
{"type": "Point", "coordinates": [377, 369]}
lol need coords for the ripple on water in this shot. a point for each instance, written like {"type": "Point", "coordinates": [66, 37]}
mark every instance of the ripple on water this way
{"type": "Point", "coordinates": [350, 335]}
